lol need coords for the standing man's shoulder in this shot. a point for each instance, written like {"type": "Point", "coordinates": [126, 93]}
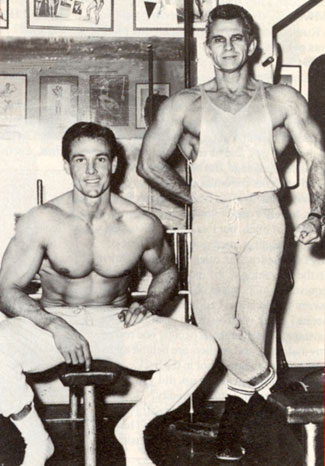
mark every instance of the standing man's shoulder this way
{"type": "Point", "coordinates": [285, 96]}
{"type": "Point", "coordinates": [179, 103]}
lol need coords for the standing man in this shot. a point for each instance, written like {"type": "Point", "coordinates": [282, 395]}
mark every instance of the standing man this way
{"type": "Point", "coordinates": [84, 245]}
{"type": "Point", "coordinates": [230, 128]}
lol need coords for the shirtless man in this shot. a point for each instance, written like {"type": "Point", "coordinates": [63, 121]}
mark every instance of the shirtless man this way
{"type": "Point", "coordinates": [84, 244]}
{"type": "Point", "coordinates": [230, 129]}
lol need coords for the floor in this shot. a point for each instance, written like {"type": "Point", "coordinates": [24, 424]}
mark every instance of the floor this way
{"type": "Point", "coordinates": [168, 444]}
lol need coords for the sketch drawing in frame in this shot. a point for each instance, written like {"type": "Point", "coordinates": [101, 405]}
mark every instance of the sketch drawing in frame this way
{"type": "Point", "coordinates": [59, 99]}
{"type": "Point", "coordinates": [13, 98]}
{"type": "Point", "coordinates": [290, 75]}
{"type": "Point", "coordinates": [109, 100]}
{"type": "Point", "coordinates": [4, 14]}
{"type": "Point", "coordinates": [169, 14]}
{"type": "Point", "coordinates": [142, 93]}
{"type": "Point", "coordinates": [70, 14]}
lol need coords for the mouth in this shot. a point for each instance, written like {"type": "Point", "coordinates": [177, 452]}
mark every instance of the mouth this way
{"type": "Point", "coordinates": [92, 181]}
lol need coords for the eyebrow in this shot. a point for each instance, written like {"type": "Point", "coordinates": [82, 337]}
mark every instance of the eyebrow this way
{"type": "Point", "coordinates": [101, 154]}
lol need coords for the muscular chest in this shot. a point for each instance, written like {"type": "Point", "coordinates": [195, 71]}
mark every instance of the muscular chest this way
{"type": "Point", "coordinates": [76, 252]}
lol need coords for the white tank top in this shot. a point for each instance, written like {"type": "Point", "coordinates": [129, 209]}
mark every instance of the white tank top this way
{"type": "Point", "coordinates": [236, 156]}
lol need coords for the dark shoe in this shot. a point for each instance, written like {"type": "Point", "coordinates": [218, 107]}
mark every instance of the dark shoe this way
{"type": "Point", "coordinates": [231, 423]}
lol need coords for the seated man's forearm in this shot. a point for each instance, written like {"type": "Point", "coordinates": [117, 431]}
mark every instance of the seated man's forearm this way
{"type": "Point", "coordinates": [161, 289]}
{"type": "Point", "coordinates": [15, 303]}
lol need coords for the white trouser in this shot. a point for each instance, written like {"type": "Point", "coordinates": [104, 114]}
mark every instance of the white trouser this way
{"type": "Point", "coordinates": [180, 354]}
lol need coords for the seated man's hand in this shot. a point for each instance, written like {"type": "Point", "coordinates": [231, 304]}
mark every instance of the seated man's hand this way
{"type": "Point", "coordinates": [135, 314]}
{"type": "Point", "coordinates": [308, 231]}
{"type": "Point", "coordinates": [71, 344]}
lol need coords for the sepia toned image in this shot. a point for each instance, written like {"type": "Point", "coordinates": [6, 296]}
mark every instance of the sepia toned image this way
{"type": "Point", "coordinates": [162, 240]}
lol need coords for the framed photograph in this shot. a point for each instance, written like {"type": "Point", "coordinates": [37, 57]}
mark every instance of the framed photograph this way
{"type": "Point", "coordinates": [4, 14]}
{"type": "Point", "coordinates": [169, 14]}
{"type": "Point", "coordinates": [160, 91]}
{"type": "Point", "coordinates": [109, 100]}
{"type": "Point", "coordinates": [59, 99]}
{"type": "Point", "coordinates": [13, 98]}
{"type": "Point", "coordinates": [290, 75]}
{"type": "Point", "coordinates": [87, 15]}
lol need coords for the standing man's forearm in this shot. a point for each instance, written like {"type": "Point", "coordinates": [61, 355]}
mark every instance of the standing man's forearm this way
{"type": "Point", "coordinates": [316, 186]}
{"type": "Point", "coordinates": [166, 179]}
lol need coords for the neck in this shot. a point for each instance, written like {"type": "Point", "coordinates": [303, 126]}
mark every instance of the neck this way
{"type": "Point", "coordinates": [91, 208]}
{"type": "Point", "coordinates": [234, 82]}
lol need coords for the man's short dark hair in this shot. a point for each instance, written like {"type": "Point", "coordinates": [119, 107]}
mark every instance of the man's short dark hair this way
{"type": "Point", "coordinates": [91, 130]}
{"type": "Point", "coordinates": [230, 11]}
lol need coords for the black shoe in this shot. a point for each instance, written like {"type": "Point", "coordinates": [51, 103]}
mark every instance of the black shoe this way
{"type": "Point", "coordinates": [231, 423]}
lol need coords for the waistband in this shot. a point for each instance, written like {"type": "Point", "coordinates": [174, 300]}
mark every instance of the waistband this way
{"type": "Point", "coordinates": [89, 310]}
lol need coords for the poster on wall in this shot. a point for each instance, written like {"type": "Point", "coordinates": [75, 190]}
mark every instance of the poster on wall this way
{"type": "Point", "coordinates": [290, 75]}
{"type": "Point", "coordinates": [12, 98]}
{"type": "Point", "coordinates": [59, 99]}
{"type": "Point", "coordinates": [4, 24]}
{"type": "Point", "coordinates": [169, 14]}
{"type": "Point", "coordinates": [109, 100]}
{"type": "Point", "coordinates": [160, 91]}
{"type": "Point", "coordinates": [70, 14]}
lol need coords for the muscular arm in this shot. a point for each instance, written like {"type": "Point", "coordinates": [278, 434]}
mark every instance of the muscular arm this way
{"type": "Point", "coordinates": [159, 143]}
{"type": "Point", "coordinates": [307, 138]}
{"type": "Point", "coordinates": [20, 263]}
{"type": "Point", "coordinates": [158, 259]}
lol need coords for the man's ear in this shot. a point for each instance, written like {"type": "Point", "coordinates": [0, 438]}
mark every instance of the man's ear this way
{"type": "Point", "coordinates": [252, 47]}
{"type": "Point", "coordinates": [207, 49]}
{"type": "Point", "coordinates": [66, 166]}
{"type": "Point", "coordinates": [114, 164]}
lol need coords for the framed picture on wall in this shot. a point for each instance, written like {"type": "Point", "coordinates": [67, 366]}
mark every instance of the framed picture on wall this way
{"type": "Point", "coordinates": [290, 75]}
{"type": "Point", "coordinates": [4, 14]}
{"type": "Point", "coordinates": [169, 14]}
{"type": "Point", "coordinates": [59, 99]}
{"type": "Point", "coordinates": [70, 14]}
{"type": "Point", "coordinates": [13, 98]}
{"type": "Point", "coordinates": [142, 93]}
{"type": "Point", "coordinates": [109, 100]}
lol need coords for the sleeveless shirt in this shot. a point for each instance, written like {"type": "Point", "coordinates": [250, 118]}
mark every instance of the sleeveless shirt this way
{"type": "Point", "coordinates": [236, 155]}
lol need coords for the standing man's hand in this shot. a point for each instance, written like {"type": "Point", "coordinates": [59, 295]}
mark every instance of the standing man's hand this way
{"type": "Point", "coordinates": [72, 345]}
{"type": "Point", "coordinates": [309, 231]}
{"type": "Point", "coordinates": [135, 314]}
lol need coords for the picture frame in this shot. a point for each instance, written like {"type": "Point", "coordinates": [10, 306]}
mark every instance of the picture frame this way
{"type": "Point", "coordinates": [4, 14]}
{"type": "Point", "coordinates": [169, 14]}
{"type": "Point", "coordinates": [142, 93]}
{"type": "Point", "coordinates": [85, 15]}
{"type": "Point", "coordinates": [290, 75]}
{"type": "Point", "coordinates": [59, 99]}
{"type": "Point", "coordinates": [109, 99]}
{"type": "Point", "coordinates": [13, 98]}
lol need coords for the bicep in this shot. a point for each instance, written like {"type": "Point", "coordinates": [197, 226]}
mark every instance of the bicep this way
{"type": "Point", "coordinates": [158, 257]}
{"type": "Point", "coordinates": [21, 261]}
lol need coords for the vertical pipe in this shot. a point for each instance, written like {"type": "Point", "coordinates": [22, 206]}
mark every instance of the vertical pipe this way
{"type": "Point", "coordinates": [150, 82]}
{"type": "Point", "coordinates": [39, 189]}
{"type": "Point", "coordinates": [188, 32]}
{"type": "Point", "coordinates": [90, 425]}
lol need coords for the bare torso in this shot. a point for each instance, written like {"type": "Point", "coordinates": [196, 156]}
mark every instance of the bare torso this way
{"type": "Point", "coordinates": [190, 140]}
{"type": "Point", "coordinates": [89, 263]}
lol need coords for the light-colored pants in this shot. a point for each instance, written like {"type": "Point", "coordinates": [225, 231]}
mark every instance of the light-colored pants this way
{"type": "Point", "coordinates": [180, 354]}
{"type": "Point", "coordinates": [237, 250]}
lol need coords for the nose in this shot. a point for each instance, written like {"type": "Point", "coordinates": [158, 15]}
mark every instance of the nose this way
{"type": "Point", "coordinates": [228, 44]}
{"type": "Point", "coordinates": [91, 168]}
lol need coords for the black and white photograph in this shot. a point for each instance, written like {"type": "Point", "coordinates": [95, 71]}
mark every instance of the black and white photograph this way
{"type": "Point", "coordinates": [13, 100]}
{"type": "Point", "coordinates": [4, 21]}
{"type": "Point", "coordinates": [70, 14]}
{"type": "Point", "coordinates": [162, 240]}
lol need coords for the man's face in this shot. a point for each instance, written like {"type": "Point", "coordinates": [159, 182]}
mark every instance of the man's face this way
{"type": "Point", "coordinates": [229, 45]}
{"type": "Point", "coordinates": [91, 165]}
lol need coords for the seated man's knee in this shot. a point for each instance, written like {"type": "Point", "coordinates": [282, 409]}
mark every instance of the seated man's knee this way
{"type": "Point", "coordinates": [204, 349]}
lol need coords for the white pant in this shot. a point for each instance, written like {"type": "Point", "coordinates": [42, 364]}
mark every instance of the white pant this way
{"type": "Point", "coordinates": [180, 354]}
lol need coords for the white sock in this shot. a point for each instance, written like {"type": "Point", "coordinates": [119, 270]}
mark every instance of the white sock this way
{"type": "Point", "coordinates": [39, 446]}
{"type": "Point", "coordinates": [264, 387]}
{"type": "Point", "coordinates": [130, 433]}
